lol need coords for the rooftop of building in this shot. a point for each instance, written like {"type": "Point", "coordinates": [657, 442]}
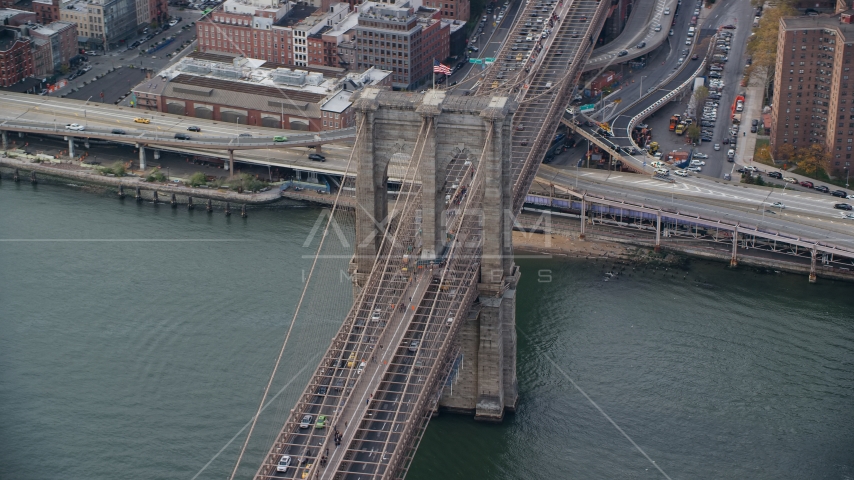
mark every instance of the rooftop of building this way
{"type": "Point", "coordinates": [345, 25]}
{"type": "Point", "coordinates": [51, 28]}
{"type": "Point", "coordinates": [242, 82]}
{"type": "Point", "coordinates": [296, 15]}
{"type": "Point", "coordinates": [331, 72]}
{"type": "Point", "coordinates": [339, 102]}
{"type": "Point", "coordinates": [8, 37]}
{"type": "Point", "coordinates": [813, 22]}
{"type": "Point", "coordinates": [76, 5]}
{"type": "Point", "coordinates": [9, 13]}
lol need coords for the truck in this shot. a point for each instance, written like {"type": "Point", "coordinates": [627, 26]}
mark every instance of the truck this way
{"type": "Point", "coordinates": [653, 147]}
{"type": "Point", "coordinates": [699, 82]}
{"type": "Point", "coordinates": [680, 128]}
{"type": "Point", "coordinates": [738, 104]}
{"type": "Point", "coordinates": [674, 120]}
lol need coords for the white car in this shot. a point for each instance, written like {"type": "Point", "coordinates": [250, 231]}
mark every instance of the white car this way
{"type": "Point", "coordinates": [658, 28]}
{"type": "Point", "coordinates": [306, 422]}
{"type": "Point", "coordinates": [695, 169]}
{"type": "Point", "coordinates": [284, 463]}
{"type": "Point", "coordinates": [749, 168]}
{"type": "Point", "coordinates": [717, 146]}
{"type": "Point", "coordinates": [360, 369]}
{"type": "Point", "coordinates": [778, 205]}
{"type": "Point", "coordinates": [662, 171]}
{"type": "Point", "coordinates": [75, 126]}
{"type": "Point", "coordinates": [376, 315]}
{"type": "Point", "coordinates": [681, 173]}
{"type": "Point", "coordinates": [791, 180]}
{"type": "Point", "coordinates": [667, 11]}
{"type": "Point", "coordinates": [671, 33]}
{"type": "Point", "coordinates": [700, 155]}
{"type": "Point", "coordinates": [698, 163]}
{"type": "Point", "coordinates": [658, 164]}
{"type": "Point", "coordinates": [849, 216]}
{"type": "Point", "coordinates": [688, 42]}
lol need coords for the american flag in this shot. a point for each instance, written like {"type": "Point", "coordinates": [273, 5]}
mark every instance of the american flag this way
{"type": "Point", "coordinates": [439, 68]}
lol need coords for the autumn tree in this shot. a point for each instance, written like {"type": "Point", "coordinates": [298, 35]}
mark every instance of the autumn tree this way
{"type": "Point", "coordinates": [762, 46]}
{"type": "Point", "coordinates": [812, 159]}
{"type": "Point", "coordinates": [785, 151]}
{"type": "Point", "coordinates": [763, 155]}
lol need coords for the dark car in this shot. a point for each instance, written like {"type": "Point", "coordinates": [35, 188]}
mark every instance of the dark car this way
{"type": "Point", "coordinates": [842, 206]}
{"type": "Point", "coordinates": [316, 157]}
{"type": "Point", "coordinates": [245, 135]}
{"type": "Point", "coordinates": [821, 188]}
{"type": "Point", "coordinates": [118, 131]}
{"type": "Point", "coordinates": [755, 122]}
{"type": "Point", "coordinates": [807, 184]}
{"type": "Point", "coordinates": [695, 56]}
{"type": "Point", "coordinates": [622, 53]}
{"type": "Point", "coordinates": [641, 45]}
{"type": "Point", "coordinates": [752, 129]}
{"type": "Point", "coordinates": [840, 194]}
{"type": "Point", "coordinates": [776, 175]}
{"type": "Point", "coordinates": [182, 136]}
{"type": "Point", "coordinates": [193, 128]}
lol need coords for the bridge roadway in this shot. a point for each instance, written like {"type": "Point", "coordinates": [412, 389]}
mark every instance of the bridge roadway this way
{"type": "Point", "coordinates": [640, 27]}
{"type": "Point", "coordinates": [47, 115]}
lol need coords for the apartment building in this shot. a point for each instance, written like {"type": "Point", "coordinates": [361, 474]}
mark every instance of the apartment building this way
{"type": "Point", "coordinates": [61, 37]}
{"type": "Point", "coordinates": [451, 9]}
{"type": "Point", "coordinates": [813, 100]}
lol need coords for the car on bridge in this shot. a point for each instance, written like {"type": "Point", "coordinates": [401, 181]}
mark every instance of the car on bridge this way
{"type": "Point", "coordinates": [141, 120]}
{"type": "Point", "coordinates": [641, 45]}
{"type": "Point", "coordinates": [622, 53]}
{"type": "Point", "coordinates": [280, 138]}
{"type": "Point", "coordinates": [307, 470]}
{"type": "Point", "coordinates": [667, 11]}
{"type": "Point", "coordinates": [284, 463]}
{"type": "Point", "coordinates": [306, 422]}
{"type": "Point", "coordinates": [657, 28]}
{"type": "Point", "coordinates": [194, 128]}
{"type": "Point", "coordinates": [778, 205]}
{"type": "Point", "coordinates": [75, 126]}
{"type": "Point", "coordinates": [321, 422]}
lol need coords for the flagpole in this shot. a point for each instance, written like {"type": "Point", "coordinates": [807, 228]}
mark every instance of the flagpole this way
{"type": "Point", "coordinates": [434, 74]}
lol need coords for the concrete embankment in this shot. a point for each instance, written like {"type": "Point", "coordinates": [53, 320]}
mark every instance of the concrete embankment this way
{"type": "Point", "coordinates": [564, 239]}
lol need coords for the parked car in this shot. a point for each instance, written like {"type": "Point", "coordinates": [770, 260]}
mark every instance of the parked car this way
{"type": "Point", "coordinates": [700, 155]}
{"type": "Point", "coordinates": [821, 188]}
{"type": "Point", "coordinates": [681, 173]}
{"type": "Point", "coordinates": [776, 175]}
{"type": "Point", "coordinates": [695, 169]}
{"type": "Point", "coordinates": [791, 180]}
{"type": "Point", "coordinates": [839, 193]}
{"type": "Point", "coordinates": [807, 184]}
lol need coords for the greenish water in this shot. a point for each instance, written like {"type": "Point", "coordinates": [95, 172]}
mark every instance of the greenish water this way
{"type": "Point", "coordinates": [135, 341]}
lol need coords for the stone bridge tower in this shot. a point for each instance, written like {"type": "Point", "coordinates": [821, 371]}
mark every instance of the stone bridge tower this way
{"type": "Point", "coordinates": [459, 125]}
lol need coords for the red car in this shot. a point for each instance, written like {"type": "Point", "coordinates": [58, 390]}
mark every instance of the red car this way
{"type": "Point", "coordinates": [807, 184]}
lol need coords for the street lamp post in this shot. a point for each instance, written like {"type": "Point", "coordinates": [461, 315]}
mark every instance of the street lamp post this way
{"type": "Point", "coordinates": [847, 172]}
{"type": "Point", "coordinates": [640, 94]}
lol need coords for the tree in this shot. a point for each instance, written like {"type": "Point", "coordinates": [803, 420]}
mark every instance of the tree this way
{"type": "Point", "coordinates": [812, 159]}
{"type": "Point", "coordinates": [693, 132]}
{"type": "Point", "coordinates": [785, 151]}
{"type": "Point", "coordinates": [762, 46]}
{"type": "Point", "coordinates": [700, 95]}
{"type": "Point", "coordinates": [763, 155]}
{"type": "Point", "coordinates": [197, 179]}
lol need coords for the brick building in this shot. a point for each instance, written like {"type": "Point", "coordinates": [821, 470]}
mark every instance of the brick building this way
{"type": "Point", "coordinates": [254, 92]}
{"type": "Point", "coordinates": [47, 11]}
{"type": "Point", "coordinates": [813, 100]}
{"type": "Point", "coordinates": [451, 9]}
{"type": "Point", "coordinates": [264, 29]}
{"type": "Point", "coordinates": [401, 40]}
{"type": "Point", "coordinates": [16, 56]}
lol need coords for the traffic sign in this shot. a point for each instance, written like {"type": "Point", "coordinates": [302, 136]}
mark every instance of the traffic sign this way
{"type": "Point", "coordinates": [475, 60]}
{"type": "Point", "coordinates": [489, 60]}
{"type": "Point", "coordinates": [587, 108]}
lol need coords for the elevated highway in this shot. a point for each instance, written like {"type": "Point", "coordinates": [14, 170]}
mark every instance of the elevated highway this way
{"type": "Point", "coordinates": [640, 27]}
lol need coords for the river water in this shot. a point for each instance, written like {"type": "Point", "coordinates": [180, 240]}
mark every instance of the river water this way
{"type": "Point", "coordinates": [135, 341]}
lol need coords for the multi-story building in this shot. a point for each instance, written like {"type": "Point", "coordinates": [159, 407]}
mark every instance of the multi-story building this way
{"type": "Point", "coordinates": [401, 40]}
{"type": "Point", "coordinates": [451, 9]}
{"type": "Point", "coordinates": [246, 91]}
{"type": "Point", "coordinates": [287, 33]}
{"type": "Point", "coordinates": [62, 40]}
{"type": "Point", "coordinates": [47, 11]}
{"type": "Point", "coordinates": [813, 100]}
{"type": "Point", "coordinates": [16, 56]}
{"type": "Point", "coordinates": [102, 22]}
